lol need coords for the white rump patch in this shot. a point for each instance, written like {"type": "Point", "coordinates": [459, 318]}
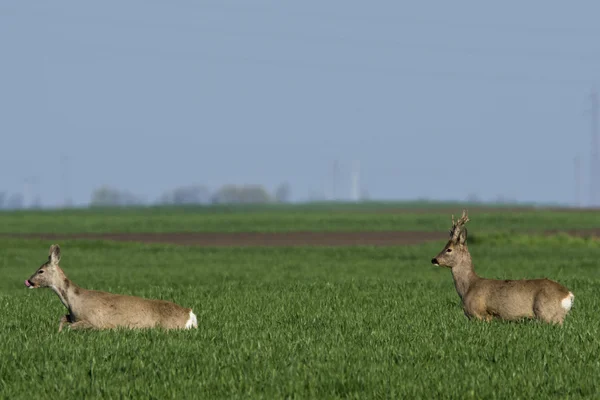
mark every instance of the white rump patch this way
{"type": "Point", "coordinates": [567, 302]}
{"type": "Point", "coordinates": [193, 322]}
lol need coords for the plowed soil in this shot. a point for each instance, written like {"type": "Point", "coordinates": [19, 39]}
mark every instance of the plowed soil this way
{"type": "Point", "coordinates": [259, 239]}
{"type": "Point", "coordinates": [276, 239]}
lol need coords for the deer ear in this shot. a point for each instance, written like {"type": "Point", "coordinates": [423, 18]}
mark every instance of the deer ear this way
{"type": "Point", "coordinates": [462, 238]}
{"type": "Point", "coordinates": [54, 254]}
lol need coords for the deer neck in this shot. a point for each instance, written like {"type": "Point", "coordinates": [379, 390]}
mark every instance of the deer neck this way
{"type": "Point", "coordinates": [464, 276]}
{"type": "Point", "coordinates": [67, 291]}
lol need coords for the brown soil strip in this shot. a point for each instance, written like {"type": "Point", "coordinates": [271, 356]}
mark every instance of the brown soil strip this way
{"type": "Point", "coordinates": [258, 239]}
{"type": "Point", "coordinates": [481, 209]}
{"type": "Point", "coordinates": [241, 239]}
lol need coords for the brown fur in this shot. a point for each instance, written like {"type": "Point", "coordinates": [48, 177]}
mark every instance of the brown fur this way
{"type": "Point", "coordinates": [102, 310]}
{"type": "Point", "coordinates": [486, 299]}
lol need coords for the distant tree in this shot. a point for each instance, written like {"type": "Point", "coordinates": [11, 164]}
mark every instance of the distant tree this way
{"type": "Point", "coordinates": [187, 195]}
{"type": "Point", "coordinates": [247, 194]}
{"type": "Point", "coordinates": [2, 199]}
{"type": "Point", "coordinates": [252, 194]}
{"type": "Point", "coordinates": [283, 193]}
{"type": "Point", "coordinates": [107, 196]}
{"type": "Point", "coordinates": [15, 201]}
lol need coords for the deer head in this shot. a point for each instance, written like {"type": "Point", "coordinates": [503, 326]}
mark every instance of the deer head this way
{"type": "Point", "coordinates": [455, 251]}
{"type": "Point", "coordinates": [49, 273]}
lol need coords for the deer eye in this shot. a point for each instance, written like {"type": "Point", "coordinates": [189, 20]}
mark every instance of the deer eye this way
{"type": "Point", "coordinates": [449, 251]}
{"type": "Point", "coordinates": [41, 271]}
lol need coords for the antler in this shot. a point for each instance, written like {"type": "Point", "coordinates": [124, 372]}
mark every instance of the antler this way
{"type": "Point", "coordinates": [457, 226]}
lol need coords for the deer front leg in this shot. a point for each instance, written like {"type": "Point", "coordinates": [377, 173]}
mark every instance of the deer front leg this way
{"type": "Point", "coordinates": [476, 310]}
{"type": "Point", "coordinates": [81, 325]}
{"type": "Point", "coordinates": [65, 319]}
{"type": "Point", "coordinates": [478, 316]}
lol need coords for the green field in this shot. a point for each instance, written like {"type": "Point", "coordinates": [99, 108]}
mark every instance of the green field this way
{"type": "Point", "coordinates": [347, 322]}
{"type": "Point", "coordinates": [378, 217]}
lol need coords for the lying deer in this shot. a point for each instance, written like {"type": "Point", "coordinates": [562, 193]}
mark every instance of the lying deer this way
{"type": "Point", "coordinates": [102, 310]}
{"type": "Point", "coordinates": [485, 299]}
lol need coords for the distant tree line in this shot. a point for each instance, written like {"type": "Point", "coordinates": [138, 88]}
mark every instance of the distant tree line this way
{"type": "Point", "coordinates": [11, 201]}
{"type": "Point", "coordinates": [106, 196]}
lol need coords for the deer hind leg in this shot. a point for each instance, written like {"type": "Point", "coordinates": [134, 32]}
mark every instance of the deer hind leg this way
{"type": "Point", "coordinates": [543, 311]}
{"type": "Point", "coordinates": [551, 311]}
{"type": "Point", "coordinates": [557, 318]}
{"type": "Point", "coordinates": [563, 309]}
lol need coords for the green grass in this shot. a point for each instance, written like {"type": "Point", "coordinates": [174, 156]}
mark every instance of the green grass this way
{"type": "Point", "coordinates": [287, 219]}
{"type": "Point", "coordinates": [321, 323]}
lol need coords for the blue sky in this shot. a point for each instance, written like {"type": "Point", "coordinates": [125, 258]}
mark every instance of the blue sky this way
{"type": "Point", "coordinates": [435, 99]}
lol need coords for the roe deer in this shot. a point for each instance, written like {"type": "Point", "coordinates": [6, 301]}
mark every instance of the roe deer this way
{"type": "Point", "coordinates": [485, 299]}
{"type": "Point", "coordinates": [101, 310]}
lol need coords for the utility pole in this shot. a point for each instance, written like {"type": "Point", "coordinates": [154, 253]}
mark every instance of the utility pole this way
{"type": "Point", "coordinates": [335, 180]}
{"type": "Point", "coordinates": [577, 171]}
{"type": "Point", "coordinates": [355, 181]}
{"type": "Point", "coordinates": [28, 195]}
{"type": "Point", "coordinates": [594, 163]}
{"type": "Point", "coordinates": [64, 174]}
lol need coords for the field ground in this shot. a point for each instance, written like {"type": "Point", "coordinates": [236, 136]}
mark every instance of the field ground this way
{"type": "Point", "coordinates": [235, 239]}
{"type": "Point", "coordinates": [343, 320]}
{"type": "Point", "coordinates": [231, 220]}
{"type": "Point", "coordinates": [275, 239]}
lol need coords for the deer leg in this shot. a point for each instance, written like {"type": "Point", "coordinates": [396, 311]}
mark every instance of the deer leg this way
{"type": "Point", "coordinates": [558, 318]}
{"type": "Point", "coordinates": [473, 310]}
{"type": "Point", "coordinates": [81, 325]}
{"type": "Point", "coordinates": [481, 317]}
{"type": "Point", "coordinates": [480, 314]}
{"type": "Point", "coordinates": [548, 312]}
{"type": "Point", "coordinates": [65, 319]}
{"type": "Point", "coordinates": [474, 315]}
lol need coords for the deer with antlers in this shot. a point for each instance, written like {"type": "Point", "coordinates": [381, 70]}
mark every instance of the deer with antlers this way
{"type": "Point", "coordinates": [485, 299]}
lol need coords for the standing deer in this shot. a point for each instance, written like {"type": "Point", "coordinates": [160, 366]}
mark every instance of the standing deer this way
{"type": "Point", "coordinates": [101, 310]}
{"type": "Point", "coordinates": [485, 299]}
